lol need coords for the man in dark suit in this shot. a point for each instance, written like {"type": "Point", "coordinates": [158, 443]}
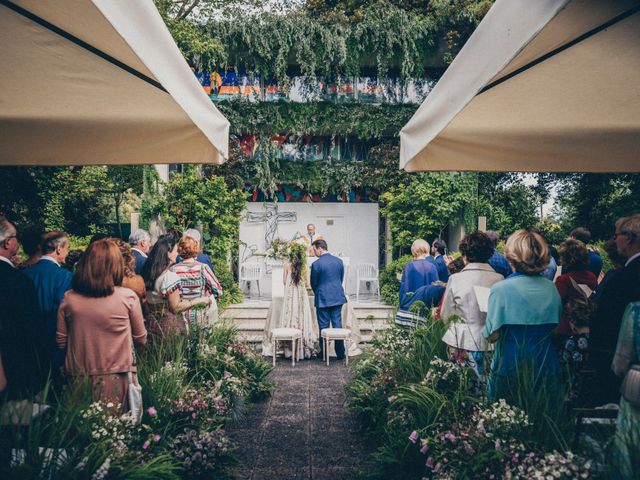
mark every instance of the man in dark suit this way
{"type": "Point", "coordinates": [23, 346]}
{"type": "Point", "coordinates": [613, 297]}
{"type": "Point", "coordinates": [52, 281]}
{"type": "Point", "coordinates": [327, 273]}
{"type": "Point", "coordinates": [498, 261]}
{"type": "Point", "coordinates": [140, 241]}
{"type": "Point", "coordinates": [439, 250]}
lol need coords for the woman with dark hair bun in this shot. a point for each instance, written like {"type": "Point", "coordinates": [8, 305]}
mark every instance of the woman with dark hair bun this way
{"type": "Point", "coordinates": [296, 305]}
{"type": "Point", "coordinates": [465, 344]}
{"type": "Point", "coordinates": [97, 322]}
{"type": "Point", "coordinates": [163, 289]}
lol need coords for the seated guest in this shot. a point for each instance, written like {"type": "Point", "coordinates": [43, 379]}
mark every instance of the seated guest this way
{"type": "Point", "coordinates": [595, 261]}
{"type": "Point", "coordinates": [140, 241]}
{"type": "Point", "coordinates": [465, 343]}
{"type": "Point", "coordinates": [98, 321]}
{"type": "Point", "coordinates": [416, 285]}
{"type": "Point", "coordinates": [131, 279]}
{"type": "Point", "coordinates": [576, 282]}
{"type": "Point", "coordinates": [24, 349]}
{"type": "Point", "coordinates": [612, 298]}
{"type": "Point", "coordinates": [196, 281]}
{"type": "Point", "coordinates": [498, 261]}
{"type": "Point", "coordinates": [30, 241]}
{"type": "Point", "coordinates": [523, 312]}
{"type": "Point", "coordinates": [416, 276]}
{"type": "Point", "coordinates": [163, 289]}
{"type": "Point", "coordinates": [439, 250]}
{"type": "Point", "coordinates": [51, 281]}
{"type": "Point", "coordinates": [202, 257]}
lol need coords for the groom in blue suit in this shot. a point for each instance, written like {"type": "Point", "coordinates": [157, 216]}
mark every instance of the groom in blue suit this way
{"type": "Point", "coordinates": [327, 273]}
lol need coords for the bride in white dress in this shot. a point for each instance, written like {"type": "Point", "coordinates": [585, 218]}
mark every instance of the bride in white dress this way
{"type": "Point", "coordinates": [296, 307]}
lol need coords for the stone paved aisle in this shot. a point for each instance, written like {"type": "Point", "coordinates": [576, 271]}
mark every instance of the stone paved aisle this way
{"type": "Point", "coordinates": [303, 431]}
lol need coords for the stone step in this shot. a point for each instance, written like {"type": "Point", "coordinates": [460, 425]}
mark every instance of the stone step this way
{"type": "Point", "coordinates": [245, 314]}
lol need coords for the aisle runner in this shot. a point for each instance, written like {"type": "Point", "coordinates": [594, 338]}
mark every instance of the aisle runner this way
{"type": "Point", "coordinates": [303, 431]}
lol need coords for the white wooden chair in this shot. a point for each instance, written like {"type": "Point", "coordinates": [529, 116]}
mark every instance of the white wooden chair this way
{"type": "Point", "coordinates": [329, 334]}
{"type": "Point", "coordinates": [251, 272]}
{"type": "Point", "coordinates": [366, 272]}
{"type": "Point", "coordinates": [286, 334]}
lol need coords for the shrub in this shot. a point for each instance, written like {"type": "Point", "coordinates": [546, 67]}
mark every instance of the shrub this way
{"type": "Point", "coordinates": [389, 283]}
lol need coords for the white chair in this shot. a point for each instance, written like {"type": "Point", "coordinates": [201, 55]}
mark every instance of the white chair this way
{"type": "Point", "coordinates": [366, 272]}
{"type": "Point", "coordinates": [286, 334]}
{"type": "Point", "coordinates": [251, 272]}
{"type": "Point", "coordinates": [329, 334]}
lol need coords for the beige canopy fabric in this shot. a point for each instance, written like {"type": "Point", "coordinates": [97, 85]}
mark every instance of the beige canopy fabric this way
{"type": "Point", "coordinates": [99, 82]}
{"type": "Point", "coordinates": [545, 85]}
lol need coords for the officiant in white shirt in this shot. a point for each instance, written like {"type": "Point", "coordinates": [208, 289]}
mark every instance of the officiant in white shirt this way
{"type": "Point", "coordinates": [311, 237]}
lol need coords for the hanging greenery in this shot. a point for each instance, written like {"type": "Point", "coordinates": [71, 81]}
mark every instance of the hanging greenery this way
{"type": "Point", "coordinates": [327, 43]}
{"type": "Point", "coordinates": [361, 121]}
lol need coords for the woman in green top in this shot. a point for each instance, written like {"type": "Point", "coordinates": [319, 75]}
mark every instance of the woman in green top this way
{"type": "Point", "coordinates": [523, 312]}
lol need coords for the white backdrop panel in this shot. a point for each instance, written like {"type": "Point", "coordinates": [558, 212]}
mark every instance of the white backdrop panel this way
{"type": "Point", "coordinates": [350, 229]}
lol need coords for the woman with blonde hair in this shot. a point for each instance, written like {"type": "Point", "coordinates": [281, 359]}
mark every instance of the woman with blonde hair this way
{"type": "Point", "coordinates": [416, 283]}
{"type": "Point", "coordinates": [523, 312]}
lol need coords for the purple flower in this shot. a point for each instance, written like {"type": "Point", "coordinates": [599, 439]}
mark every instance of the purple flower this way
{"type": "Point", "coordinates": [424, 449]}
{"type": "Point", "coordinates": [156, 438]}
{"type": "Point", "coordinates": [429, 462]}
{"type": "Point", "coordinates": [414, 437]}
{"type": "Point", "coordinates": [146, 445]}
{"type": "Point", "coordinates": [438, 467]}
{"type": "Point", "coordinates": [152, 411]}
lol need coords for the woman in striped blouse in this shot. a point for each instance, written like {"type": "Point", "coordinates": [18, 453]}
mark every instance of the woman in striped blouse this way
{"type": "Point", "coordinates": [195, 280]}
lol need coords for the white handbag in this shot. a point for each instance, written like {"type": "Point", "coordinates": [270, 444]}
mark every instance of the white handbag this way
{"type": "Point", "coordinates": [135, 400]}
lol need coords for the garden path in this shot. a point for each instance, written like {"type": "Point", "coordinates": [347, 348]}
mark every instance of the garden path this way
{"type": "Point", "coordinates": [303, 431]}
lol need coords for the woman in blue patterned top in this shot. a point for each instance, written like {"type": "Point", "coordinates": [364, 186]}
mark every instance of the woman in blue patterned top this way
{"type": "Point", "coordinates": [523, 312]}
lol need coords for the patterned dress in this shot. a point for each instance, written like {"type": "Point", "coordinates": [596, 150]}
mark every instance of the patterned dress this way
{"type": "Point", "coordinates": [195, 280]}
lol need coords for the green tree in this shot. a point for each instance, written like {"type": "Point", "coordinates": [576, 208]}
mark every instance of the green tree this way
{"type": "Point", "coordinates": [191, 200]}
{"type": "Point", "coordinates": [507, 202]}
{"type": "Point", "coordinates": [596, 201]}
{"type": "Point", "coordinates": [428, 204]}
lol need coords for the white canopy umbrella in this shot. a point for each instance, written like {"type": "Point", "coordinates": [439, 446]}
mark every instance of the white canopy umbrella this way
{"type": "Point", "coordinates": [99, 82]}
{"type": "Point", "coordinates": [544, 85]}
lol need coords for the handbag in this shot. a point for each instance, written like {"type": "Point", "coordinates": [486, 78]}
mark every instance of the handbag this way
{"type": "Point", "coordinates": [630, 389]}
{"type": "Point", "coordinates": [135, 400]}
{"type": "Point", "coordinates": [134, 392]}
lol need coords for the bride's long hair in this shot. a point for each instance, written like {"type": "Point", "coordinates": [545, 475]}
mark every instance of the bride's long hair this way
{"type": "Point", "coordinates": [298, 261]}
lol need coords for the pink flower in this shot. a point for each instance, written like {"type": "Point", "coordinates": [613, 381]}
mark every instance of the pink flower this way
{"type": "Point", "coordinates": [414, 437]}
{"type": "Point", "coordinates": [152, 411]}
{"type": "Point", "coordinates": [227, 374]}
{"type": "Point", "coordinates": [156, 438]}
{"type": "Point", "coordinates": [146, 444]}
{"type": "Point", "coordinates": [424, 449]}
{"type": "Point", "coordinates": [438, 467]}
{"type": "Point", "coordinates": [429, 462]}
{"type": "Point", "coordinates": [450, 436]}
